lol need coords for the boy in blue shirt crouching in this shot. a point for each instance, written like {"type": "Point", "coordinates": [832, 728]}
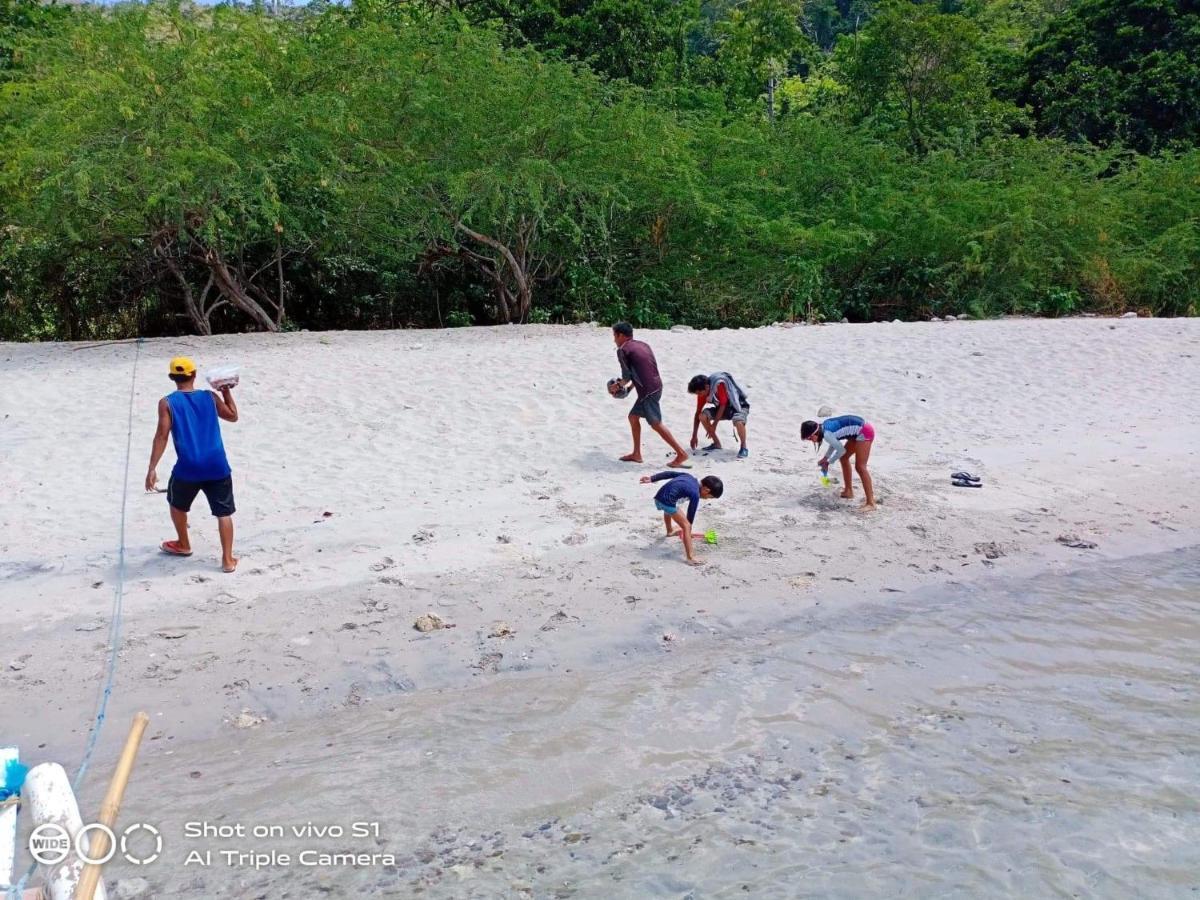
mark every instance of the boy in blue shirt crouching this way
{"type": "Point", "coordinates": [682, 486]}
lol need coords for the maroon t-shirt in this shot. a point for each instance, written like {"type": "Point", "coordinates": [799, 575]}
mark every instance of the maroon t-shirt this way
{"type": "Point", "coordinates": [638, 363]}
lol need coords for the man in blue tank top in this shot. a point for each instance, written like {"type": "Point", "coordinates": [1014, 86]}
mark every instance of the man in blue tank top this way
{"type": "Point", "coordinates": [190, 418]}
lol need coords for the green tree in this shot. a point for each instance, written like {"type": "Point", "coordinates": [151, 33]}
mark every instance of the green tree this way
{"type": "Point", "coordinates": [759, 43]}
{"type": "Point", "coordinates": [916, 70]}
{"type": "Point", "coordinates": [1119, 71]}
{"type": "Point", "coordinates": [827, 20]}
{"type": "Point", "coordinates": [641, 41]}
{"type": "Point", "coordinates": [531, 164]}
{"type": "Point", "coordinates": [1008, 28]}
{"type": "Point", "coordinates": [22, 19]}
{"type": "Point", "coordinates": [388, 164]}
{"type": "Point", "coordinates": [189, 141]}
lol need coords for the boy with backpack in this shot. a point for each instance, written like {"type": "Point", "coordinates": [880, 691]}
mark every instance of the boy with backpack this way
{"type": "Point", "coordinates": [719, 398]}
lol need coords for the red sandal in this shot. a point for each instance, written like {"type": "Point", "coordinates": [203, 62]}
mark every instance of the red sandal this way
{"type": "Point", "coordinates": [172, 548]}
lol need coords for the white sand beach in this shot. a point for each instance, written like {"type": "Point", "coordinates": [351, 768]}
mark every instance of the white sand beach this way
{"type": "Point", "coordinates": [474, 474]}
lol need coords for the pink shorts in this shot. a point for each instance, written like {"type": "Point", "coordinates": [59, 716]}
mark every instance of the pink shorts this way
{"type": "Point", "coordinates": [867, 433]}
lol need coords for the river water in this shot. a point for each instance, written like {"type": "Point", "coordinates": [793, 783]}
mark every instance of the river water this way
{"type": "Point", "coordinates": [1036, 739]}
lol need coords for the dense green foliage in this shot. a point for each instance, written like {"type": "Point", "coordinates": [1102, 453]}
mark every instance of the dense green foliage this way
{"type": "Point", "coordinates": [643, 41]}
{"type": "Point", "coordinates": [172, 168]}
{"type": "Point", "coordinates": [1123, 71]}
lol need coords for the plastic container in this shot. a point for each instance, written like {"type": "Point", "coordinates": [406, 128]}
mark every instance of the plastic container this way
{"type": "Point", "coordinates": [222, 375]}
{"type": "Point", "coordinates": [825, 475]}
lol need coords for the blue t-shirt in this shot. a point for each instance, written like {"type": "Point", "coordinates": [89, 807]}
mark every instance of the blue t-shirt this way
{"type": "Point", "coordinates": [197, 435]}
{"type": "Point", "coordinates": [681, 486]}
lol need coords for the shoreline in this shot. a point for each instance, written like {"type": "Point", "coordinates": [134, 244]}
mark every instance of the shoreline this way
{"type": "Point", "coordinates": [199, 699]}
{"type": "Point", "coordinates": [433, 765]}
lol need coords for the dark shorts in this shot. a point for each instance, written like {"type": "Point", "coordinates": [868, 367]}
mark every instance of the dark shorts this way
{"type": "Point", "coordinates": [219, 494]}
{"type": "Point", "coordinates": [647, 408]}
{"type": "Point", "coordinates": [730, 414]}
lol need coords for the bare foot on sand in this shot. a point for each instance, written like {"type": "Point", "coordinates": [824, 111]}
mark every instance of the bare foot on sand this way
{"type": "Point", "coordinates": [631, 457]}
{"type": "Point", "coordinates": [679, 462]}
{"type": "Point", "coordinates": [228, 566]}
{"type": "Point", "coordinates": [867, 507]}
{"type": "Point", "coordinates": [847, 495]}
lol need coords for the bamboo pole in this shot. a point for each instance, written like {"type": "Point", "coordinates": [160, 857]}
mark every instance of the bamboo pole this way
{"type": "Point", "coordinates": [98, 845]}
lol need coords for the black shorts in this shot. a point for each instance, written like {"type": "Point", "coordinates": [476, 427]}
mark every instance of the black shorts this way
{"type": "Point", "coordinates": [730, 415]}
{"type": "Point", "coordinates": [647, 408]}
{"type": "Point", "coordinates": [219, 494]}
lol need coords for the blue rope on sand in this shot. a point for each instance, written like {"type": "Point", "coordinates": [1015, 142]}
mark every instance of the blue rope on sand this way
{"type": "Point", "coordinates": [114, 628]}
{"type": "Point", "coordinates": [114, 625]}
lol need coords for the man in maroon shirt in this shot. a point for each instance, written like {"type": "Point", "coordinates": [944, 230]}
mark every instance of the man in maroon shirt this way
{"type": "Point", "coordinates": [639, 367]}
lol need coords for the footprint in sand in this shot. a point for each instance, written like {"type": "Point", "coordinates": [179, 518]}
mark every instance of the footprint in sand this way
{"type": "Point", "coordinates": [559, 618]}
{"type": "Point", "coordinates": [489, 662]}
{"type": "Point", "coordinates": [174, 633]}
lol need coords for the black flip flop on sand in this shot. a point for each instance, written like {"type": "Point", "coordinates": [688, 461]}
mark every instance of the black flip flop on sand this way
{"type": "Point", "coordinates": [961, 482]}
{"type": "Point", "coordinates": [966, 476]}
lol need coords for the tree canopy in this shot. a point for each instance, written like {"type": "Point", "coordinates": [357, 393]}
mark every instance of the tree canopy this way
{"type": "Point", "coordinates": [1119, 72]}
{"type": "Point", "coordinates": [168, 168]}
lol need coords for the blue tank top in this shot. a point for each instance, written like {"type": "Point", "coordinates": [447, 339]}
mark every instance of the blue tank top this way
{"type": "Point", "coordinates": [197, 435]}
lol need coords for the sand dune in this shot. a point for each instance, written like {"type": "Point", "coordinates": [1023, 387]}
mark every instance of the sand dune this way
{"type": "Point", "coordinates": [474, 473]}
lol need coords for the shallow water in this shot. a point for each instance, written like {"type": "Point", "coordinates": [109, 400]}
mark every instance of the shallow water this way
{"type": "Point", "coordinates": [1036, 739]}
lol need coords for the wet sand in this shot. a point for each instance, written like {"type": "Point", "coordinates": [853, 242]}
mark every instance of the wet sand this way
{"type": "Point", "coordinates": [1023, 738]}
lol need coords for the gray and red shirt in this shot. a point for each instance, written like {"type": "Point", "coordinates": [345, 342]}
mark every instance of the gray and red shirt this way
{"type": "Point", "coordinates": [639, 366]}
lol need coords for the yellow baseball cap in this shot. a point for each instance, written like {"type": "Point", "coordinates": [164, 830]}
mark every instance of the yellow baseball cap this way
{"type": "Point", "coordinates": [181, 365]}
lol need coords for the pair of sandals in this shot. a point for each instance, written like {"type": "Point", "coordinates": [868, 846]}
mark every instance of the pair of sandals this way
{"type": "Point", "coordinates": [966, 479]}
{"type": "Point", "coordinates": [172, 548]}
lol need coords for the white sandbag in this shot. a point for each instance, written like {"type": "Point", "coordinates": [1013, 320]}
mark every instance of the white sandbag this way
{"type": "Point", "coordinates": [51, 801]}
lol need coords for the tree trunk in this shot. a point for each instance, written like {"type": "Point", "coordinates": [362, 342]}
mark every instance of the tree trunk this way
{"type": "Point", "coordinates": [182, 250]}
{"type": "Point", "coordinates": [514, 293]}
{"type": "Point", "coordinates": [238, 295]}
{"type": "Point", "coordinates": [190, 306]}
{"type": "Point", "coordinates": [279, 269]}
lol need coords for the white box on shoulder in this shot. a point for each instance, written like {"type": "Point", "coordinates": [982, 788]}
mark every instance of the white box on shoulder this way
{"type": "Point", "coordinates": [224, 375]}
